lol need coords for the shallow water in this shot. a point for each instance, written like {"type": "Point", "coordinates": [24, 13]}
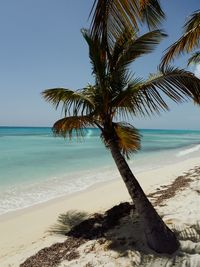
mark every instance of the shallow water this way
{"type": "Point", "coordinates": [35, 166]}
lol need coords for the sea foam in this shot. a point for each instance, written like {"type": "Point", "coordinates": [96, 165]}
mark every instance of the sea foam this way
{"type": "Point", "coordinates": [188, 151]}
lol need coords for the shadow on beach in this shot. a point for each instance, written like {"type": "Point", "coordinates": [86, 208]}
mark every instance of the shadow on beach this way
{"type": "Point", "coordinates": [117, 230]}
{"type": "Point", "coordinates": [116, 236]}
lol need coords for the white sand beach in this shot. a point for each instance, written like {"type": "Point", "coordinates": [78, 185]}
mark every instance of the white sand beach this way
{"type": "Point", "coordinates": [24, 232]}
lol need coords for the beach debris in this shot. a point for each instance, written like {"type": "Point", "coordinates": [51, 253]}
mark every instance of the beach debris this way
{"type": "Point", "coordinates": [179, 184]}
{"type": "Point", "coordinates": [53, 255]}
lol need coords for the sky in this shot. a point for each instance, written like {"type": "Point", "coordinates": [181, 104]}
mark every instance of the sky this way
{"type": "Point", "coordinates": [41, 47]}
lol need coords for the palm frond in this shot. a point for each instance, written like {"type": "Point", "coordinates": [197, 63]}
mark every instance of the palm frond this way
{"type": "Point", "coordinates": [125, 52]}
{"type": "Point", "coordinates": [111, 17]}
{"type": "Point", "coordinates": [75, 124]}
{"type": "Point", "coordinates": [187, 42]}
{"type": "Point", "coordinates": [146, 98]}
{"type": "Point", "coordinates": [97, 57]}
{"type": "Point", "coordinates": [119, 81]}
{"type": "Point", "coordinates": [136, 47]}
{"type": "Point", "coordinates": [193, 21]}
{"type": "Point", "coordinates": [124, 102]}
{"type": "Point", "coordinates": [195, 58]}
{"type": "Point", "coordinates": [151, 13]}
{"type": "Point", "coordinates": [71, 101]}
{"type": "Point", "coordinates": [177, 84]}
{"type": "Point", "coordinates": [128, 138]}
{"type": "Point", "coordinates": [120, 44]}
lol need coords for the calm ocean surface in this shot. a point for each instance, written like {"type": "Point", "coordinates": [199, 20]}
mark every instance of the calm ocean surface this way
{"type": "Point", "coordinates": [36, 167]}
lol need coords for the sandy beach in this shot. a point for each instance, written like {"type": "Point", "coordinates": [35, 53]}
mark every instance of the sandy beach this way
{"type": "Point", "coordinates": [100, 133]}
{"type": "Point", "coordinates": [25, 232]}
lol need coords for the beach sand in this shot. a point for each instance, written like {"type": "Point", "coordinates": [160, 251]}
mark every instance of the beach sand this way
{"type": "Point", "coordinates": [24, 232]}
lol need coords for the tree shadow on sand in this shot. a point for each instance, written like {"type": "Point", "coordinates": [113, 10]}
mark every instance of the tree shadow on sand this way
{"type": "Point", "coordinates": [118, 231]}
{"type": "Point", "coordinates": [118, 225]}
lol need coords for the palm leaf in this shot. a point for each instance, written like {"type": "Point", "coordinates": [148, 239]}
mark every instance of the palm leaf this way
{"type": "Point", "coordinates": [146, 98]}
{"type": "Point", "coordinates": [97, 57]}
{"type": "Point", "coordinates": [151, 13]}
{"type": "Point", "coordinates": [125, 52]}
{"type": "Point", "coordinates": [111, 17]}
{"type": "Point", "coordinates": [188, 41]}
{"type": "Point", "coordinates": [192, 22]}
{"type": "Point", "coordinates": [124, 102]}
{"type": "Point", "coordinates": [72, 101]}
{"type": "Point", "coordinates": [136, 47]}
{"type": "Point", "coordinates": [69, 125]}
{"type": "Point", "coordinates": [177, 84]}
{"type": "Point", "coordinates": [128, 138]}
{"type": "Point", "coordinates": [195, 58]}
{"type": "Point", "coordinates": [120, 44]}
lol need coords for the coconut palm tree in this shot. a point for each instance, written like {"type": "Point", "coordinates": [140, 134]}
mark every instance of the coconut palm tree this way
{"type": "Point", "coordinates": [115, 95]}
{"type": "Point", "coordinates": [187, 42]}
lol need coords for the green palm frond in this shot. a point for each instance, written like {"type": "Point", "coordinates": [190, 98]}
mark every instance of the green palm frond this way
{"type": "Point", "coordinates": [128, 138]}
{"type": "Point", "coordinates": [119, 81]}
{"type": "Point", "coordinates": [111, 17]}
{"type": "Point", "coordinates": [193, 21]}
{"type": "Point", "coordinates": [177, 84]}
{"type": "Point", "coordinates": [120, 44]}
{"type": "Point", "coordinates": [151, 13]}
{"type": "Point", "coordinates": [195, 58]}
{"type": "Point", "coordinates": [97, 57]}
{"type": "Point", "coordinates": [126, 101]}
{"type": "Point", "coordinates": [136, 47]}
{"type": "Point", "coordinates": [146, 98]}
{"type": "Point", "coordinates": [74, 124]}
{"type": "Point", "coordinates": [188, 41]}
{"type": "Point", "coordinates": [71, 101]}
{"type": "Point", "coordinates": [126, 51]}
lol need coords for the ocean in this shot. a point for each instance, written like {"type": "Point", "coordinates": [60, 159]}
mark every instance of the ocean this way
{"type": "Point", "coordinates": [35, 166]}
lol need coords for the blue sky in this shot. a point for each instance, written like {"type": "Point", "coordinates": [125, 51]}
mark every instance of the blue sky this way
{"type": "Point", "coordinates": [41, 47]}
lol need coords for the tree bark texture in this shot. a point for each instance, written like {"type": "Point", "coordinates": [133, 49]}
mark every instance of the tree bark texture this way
{"type": "Point", "coordinates": [158, 236]}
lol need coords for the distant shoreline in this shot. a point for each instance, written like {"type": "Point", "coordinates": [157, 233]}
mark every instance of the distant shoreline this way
{"type": "Point", "coordinates": [143, 129]}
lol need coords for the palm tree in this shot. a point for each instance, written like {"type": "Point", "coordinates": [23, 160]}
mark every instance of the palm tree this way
{"type": "Point", "coordinates": [115, 95]}
{"type": "Point", "coordinates": [187, 42]}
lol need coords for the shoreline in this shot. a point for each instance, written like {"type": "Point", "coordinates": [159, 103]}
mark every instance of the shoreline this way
{"type": "Point", "coordinates": [24, 232]}
{"type": "Point", "coordinates": [39, 178]}
{"type": "Point", "coordinates": [26, 186]}
{"type": "Point", "coordinates": [138, 173]}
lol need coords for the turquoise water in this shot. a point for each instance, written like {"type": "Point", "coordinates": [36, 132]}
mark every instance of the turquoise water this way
{"type": "Point", "coordinates": [35, 166]}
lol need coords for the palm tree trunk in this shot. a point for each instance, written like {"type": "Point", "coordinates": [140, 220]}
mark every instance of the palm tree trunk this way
{"type": "Point", "coordinates": [158, 236]}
